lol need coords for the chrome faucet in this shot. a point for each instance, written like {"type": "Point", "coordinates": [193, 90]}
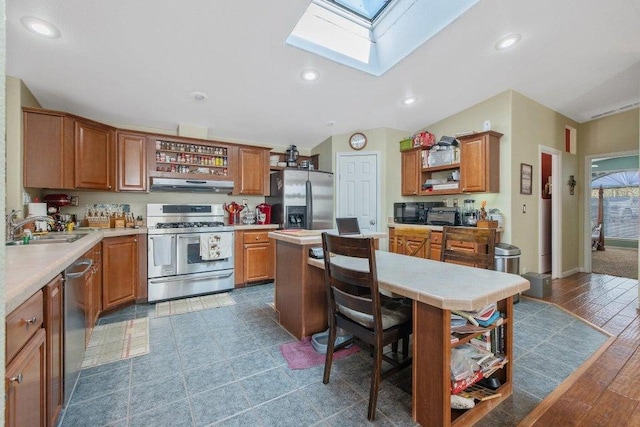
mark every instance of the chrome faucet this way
{"type": "Point", "coordinates": [12, 225]}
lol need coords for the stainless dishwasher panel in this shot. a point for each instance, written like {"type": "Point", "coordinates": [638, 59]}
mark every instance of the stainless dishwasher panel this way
{"type": "Point", "coordinates": [74, 323]}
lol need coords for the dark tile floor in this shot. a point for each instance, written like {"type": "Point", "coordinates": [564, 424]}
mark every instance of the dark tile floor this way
{"type": "Point", "coordinates": [223, 367]}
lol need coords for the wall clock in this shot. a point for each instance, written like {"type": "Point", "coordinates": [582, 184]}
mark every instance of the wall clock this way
{"type": "Point", "coordinates": [357, 141]}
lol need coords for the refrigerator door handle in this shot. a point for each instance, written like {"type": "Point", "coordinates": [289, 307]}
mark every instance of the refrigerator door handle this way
{"type": "Point", "coordinates": [309, 225]}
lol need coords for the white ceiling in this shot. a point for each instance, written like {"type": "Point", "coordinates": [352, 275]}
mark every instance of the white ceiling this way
{"type": "Point", "coordinates": [136, 63]}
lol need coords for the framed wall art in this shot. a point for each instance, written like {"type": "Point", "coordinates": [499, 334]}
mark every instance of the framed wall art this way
{"type": "Point", "coordinates": [526, 175]}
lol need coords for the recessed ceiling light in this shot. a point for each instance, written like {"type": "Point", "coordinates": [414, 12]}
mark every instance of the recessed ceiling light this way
{"type": "Point", "coordinates": [508, 41]}
{"type": "Point", "coordinates": [309, 75]}
{"type": "Point", "coordinates": [199, 96]}
{"type": "Point", "coordinates": [331, 123]}
{"type": "Point", "coordinates": [40, 27]}
{"type": "Point", "coordinates": [409, 100]}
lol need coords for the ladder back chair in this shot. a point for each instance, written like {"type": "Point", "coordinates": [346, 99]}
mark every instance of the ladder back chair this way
{"type": "Point", "coordinates": [356, 306]}
{"type": "Point", "coordinates": [469, 246]}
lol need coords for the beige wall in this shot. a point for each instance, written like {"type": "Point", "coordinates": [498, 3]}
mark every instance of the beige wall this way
{"type": "Point", "coordinates": [535, 125]}
{"type": "Point", "coordinates": [497, 109]}
{"type": "Point", "coordinates": [3, 187]}
{"type": "Point", "coordinates": [17, 96]}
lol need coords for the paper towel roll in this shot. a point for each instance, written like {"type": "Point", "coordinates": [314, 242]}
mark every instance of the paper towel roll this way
{"type": "Point", "coordinates": [36, 209]}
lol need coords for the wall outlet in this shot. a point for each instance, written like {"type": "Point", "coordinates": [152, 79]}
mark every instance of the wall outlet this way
{"type": "Point", "coordinates": [74, 200]}
{"type": "Point", "coordinates": [486, 125]}
{"type": "Point", "coordinates": [446, 202]}
{"type": "Point", "coordinates": [523, 270]}
{"type": "Point", "coordinates": [455, 203]}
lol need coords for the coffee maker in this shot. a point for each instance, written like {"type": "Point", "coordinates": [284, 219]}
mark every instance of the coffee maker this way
{"type": "Point", "coordinates": [292, 156]}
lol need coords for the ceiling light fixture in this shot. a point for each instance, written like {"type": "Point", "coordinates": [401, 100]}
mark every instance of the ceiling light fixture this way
{"type": "Point", "coordinates": [40, 27]}
{"type": "Point", "coordinates": [331, 123]}
{"type": "Point", "coordinates": [409, 100]}
{"type": "Point", "coordinates": [199, 96]}
{"type": "Point", "coordinates": [309, 75]}
{"type": "Point", "coordinates": [508, 41]}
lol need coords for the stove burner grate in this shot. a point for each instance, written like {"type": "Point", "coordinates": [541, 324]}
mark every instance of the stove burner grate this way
{"type": "Point", "coordinates": [164, 225]}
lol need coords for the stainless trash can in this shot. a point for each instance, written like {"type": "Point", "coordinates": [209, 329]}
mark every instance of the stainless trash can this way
{"type": "Point", "coordinates": [507, 260]}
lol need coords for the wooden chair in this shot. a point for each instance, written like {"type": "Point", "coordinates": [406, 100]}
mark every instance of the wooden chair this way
{"type": "Point", "coordinates": [412, 241]}
{"type": "Point", "coordinates": [356, 306]}
{"type": "Point", "coordinates": [469, 246]}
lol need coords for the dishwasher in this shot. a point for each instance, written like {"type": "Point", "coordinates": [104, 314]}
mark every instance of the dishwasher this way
{"type": "Point", "coordinates": [74, 322]}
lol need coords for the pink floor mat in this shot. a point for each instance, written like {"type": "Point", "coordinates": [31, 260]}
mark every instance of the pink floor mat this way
{"type": "Point", "coordinates": [301, 355]}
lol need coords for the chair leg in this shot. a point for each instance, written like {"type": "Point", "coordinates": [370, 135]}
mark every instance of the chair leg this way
{"type": "Point", "coordinates": [405, 346]}
{"type": "Point", "coordinates": [331, 341]}
{"type": "Point", "coordinates": [375, 382]}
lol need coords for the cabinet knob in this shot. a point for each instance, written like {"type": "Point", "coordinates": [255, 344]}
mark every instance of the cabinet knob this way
{"type": "Point", "coordinates": [135, 240]}
{"type": "Point", "coordinates": [31, 320]}
{"type": "Point", "coordinates": [16, 379]}
{"type": "Point", "coordinates": [257, 237]}
{"type": "Point", "coordinates": [109, 187]}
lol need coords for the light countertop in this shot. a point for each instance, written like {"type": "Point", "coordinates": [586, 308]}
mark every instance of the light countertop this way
{"type": "Point", "coordinates": [28, 268]}
{"type": "Point", "coordinates": [439, 284]}
{"type": "Point", "coordinates": [311, 237]}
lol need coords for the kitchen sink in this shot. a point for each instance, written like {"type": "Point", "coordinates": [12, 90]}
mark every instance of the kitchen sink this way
{"type": "Point", "coordinates": [49, 239]}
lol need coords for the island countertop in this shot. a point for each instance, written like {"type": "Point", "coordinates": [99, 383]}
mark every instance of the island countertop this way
{"type": "Point", "coordinates": [311, 237]}
{"type": "Point", "coordinates": [439, 284]}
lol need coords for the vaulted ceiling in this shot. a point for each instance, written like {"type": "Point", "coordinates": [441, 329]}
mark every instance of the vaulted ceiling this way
{"type": "Point", "coordinates": [138, 62]}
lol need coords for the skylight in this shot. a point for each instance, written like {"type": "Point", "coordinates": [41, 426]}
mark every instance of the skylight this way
{"type": "Point", "coordinates": [367, 9]}
{"type": "Point", "coordinates": [372, 35]}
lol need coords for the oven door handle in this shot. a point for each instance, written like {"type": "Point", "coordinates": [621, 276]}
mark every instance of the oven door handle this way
{"type": "Point", "coordinates": [160, 236]}
{"type": "Point", "coordinates": [179, 279]}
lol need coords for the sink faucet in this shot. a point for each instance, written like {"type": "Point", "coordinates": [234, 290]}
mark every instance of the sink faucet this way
{"type": "Point", "coordinates": [12, 225]}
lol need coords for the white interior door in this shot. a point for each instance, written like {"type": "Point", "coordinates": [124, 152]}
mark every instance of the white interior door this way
{"type": "Point", "coordinates": [358, 188]}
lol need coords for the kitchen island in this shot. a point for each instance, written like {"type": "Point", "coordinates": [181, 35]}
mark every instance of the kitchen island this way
{"type": "Point", "coordinates": [436, 288]}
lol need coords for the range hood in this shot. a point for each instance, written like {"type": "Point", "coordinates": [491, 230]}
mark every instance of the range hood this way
{"type": "Point", "coordinates": [192, 185]}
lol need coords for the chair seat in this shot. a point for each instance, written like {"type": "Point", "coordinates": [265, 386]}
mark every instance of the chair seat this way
{"type": "Point", "coordinates": [393, 313]}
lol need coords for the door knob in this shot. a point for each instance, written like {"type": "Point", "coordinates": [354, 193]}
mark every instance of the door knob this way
{"type": "Point", "coordinates": [372, 222]}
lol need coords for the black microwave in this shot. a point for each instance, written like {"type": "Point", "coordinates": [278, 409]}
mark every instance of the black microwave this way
{"type": "Point", "coordinates": [413, 212]}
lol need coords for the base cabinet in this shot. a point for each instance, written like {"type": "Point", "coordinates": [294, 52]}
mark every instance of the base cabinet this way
{"type": "Point", "coordinates": [26, 385]}
{"type": "Point", "coordinates": [254, 257]}
{"type": "Point", "coordinates": [53, 324]}
{"type": "Point", "coordinates": [119, 270]}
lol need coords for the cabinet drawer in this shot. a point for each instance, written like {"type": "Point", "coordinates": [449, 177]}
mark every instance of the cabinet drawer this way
{"type": "Point", "coordinates": [256, 237]}
{"type": "Point", "coordinates": [23, 323]}
{"type": "Point", "coordinates": [436, 237]}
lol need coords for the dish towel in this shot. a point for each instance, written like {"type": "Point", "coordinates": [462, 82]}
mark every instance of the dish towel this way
{"type": "Point", "coordinates": [216, 246]}
{"type": "Point", "coordinates": [162, 248]}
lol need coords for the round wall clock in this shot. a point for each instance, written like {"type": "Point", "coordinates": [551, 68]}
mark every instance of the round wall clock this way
{"type": "Point", "coordinates": [357, 141]}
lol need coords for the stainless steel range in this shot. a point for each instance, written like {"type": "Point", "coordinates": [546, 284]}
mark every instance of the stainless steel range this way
{"type": "Point", "coordinates": [190, 251]}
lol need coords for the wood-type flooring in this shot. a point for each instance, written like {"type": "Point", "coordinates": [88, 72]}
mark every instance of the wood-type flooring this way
{"type": "Point", "coordinates": [608, 393]}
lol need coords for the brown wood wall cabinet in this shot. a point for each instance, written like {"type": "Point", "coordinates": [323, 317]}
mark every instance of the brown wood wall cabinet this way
{"type": "Point", "coordinates": [253, 177]}
{"type": "Point", "coordinates": [120, 271]}
{"type": "Point", "coordinates": [480, 162]}
{"type": "Point", "coordinates": [63, 151]}
{"type": "Point", "coordinates": [48, 146]}
{"type": "Point", "coordinates": [94, 156]}
{"type": "Point", "coordinates": [479, 167]}
{"type": "Point", "coordinates": [411, 172]}
{"type": "Point", "coordinates": [53, 325]}
{"type": "Point", "coordinates": [254, 257]}
{"type": "Point", "coordinates": [132, 161]}
{"type": "Point", "coordinates": [25, 374]}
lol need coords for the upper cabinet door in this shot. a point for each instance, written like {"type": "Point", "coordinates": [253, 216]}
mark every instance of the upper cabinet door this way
{"type": "Point", "coordinates": [253, 173]}
{"type": "Point", "coordinates": [411, 172]}
{"type": "Point", "coordinates": [480, 162]}
{"type": "Point", "coordinates": [94, 146]}
{"type": "Point", "coordinates": [132, 162]}
{"type": "Point", "coordinates": [48, 150]}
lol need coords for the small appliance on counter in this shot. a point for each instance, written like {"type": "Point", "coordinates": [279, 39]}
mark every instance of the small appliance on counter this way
{"type": "Point", "coordinates": [413, 212]}
{"type": "Point", "coordinates": [292, 156]}
{"type": "Point", "coordinates": [469, 213]}
{"type": "Point", "coordinates": [263, 211]}
{"type": "Point", "coordinates": [444, 216]}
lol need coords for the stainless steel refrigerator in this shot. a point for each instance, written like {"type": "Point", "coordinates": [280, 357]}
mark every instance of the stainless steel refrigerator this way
{"type": "Point", "coordinates": [302, 198]}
